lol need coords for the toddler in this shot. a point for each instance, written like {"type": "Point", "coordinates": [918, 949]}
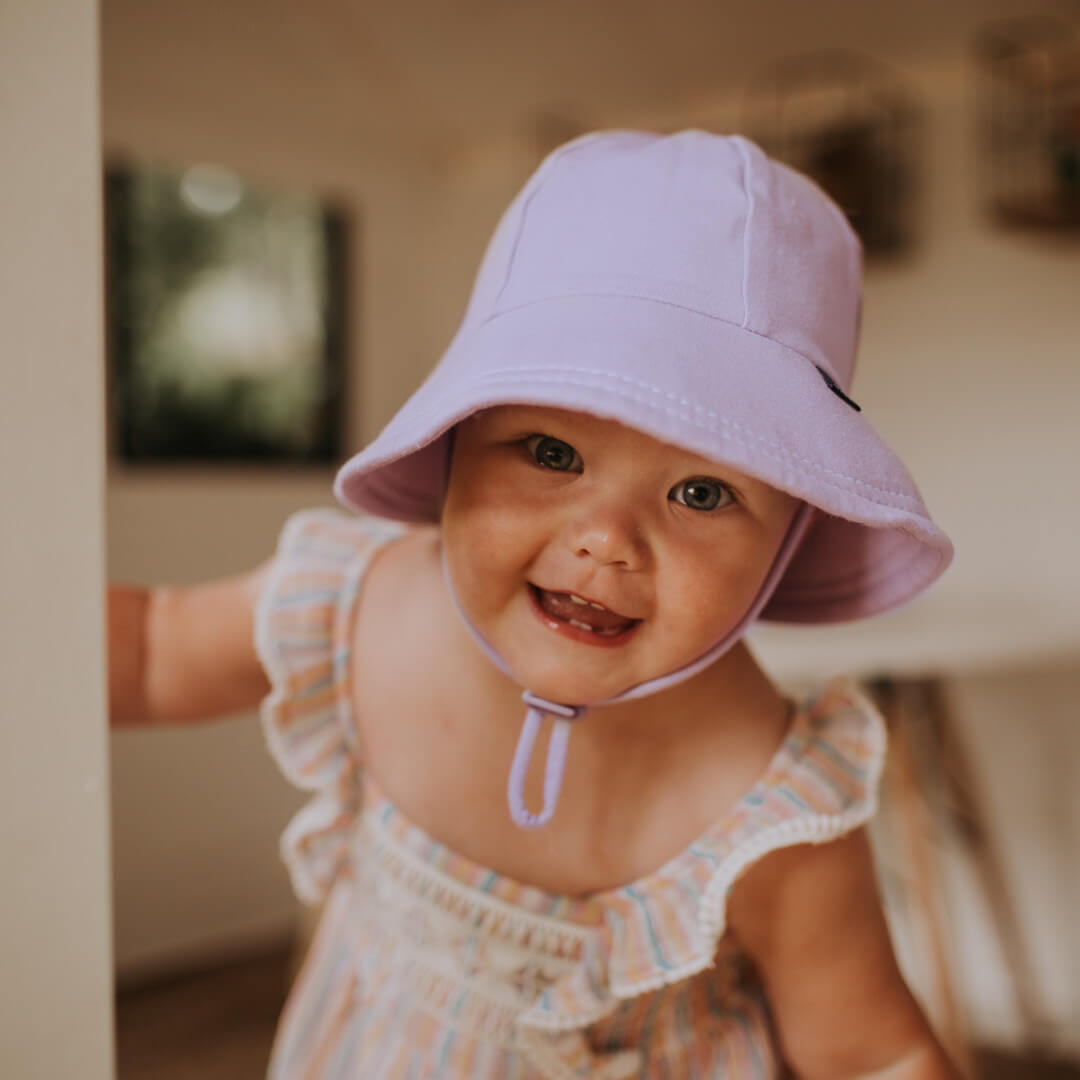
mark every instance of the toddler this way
{"type": "Point", "coordinates": [639, 441]}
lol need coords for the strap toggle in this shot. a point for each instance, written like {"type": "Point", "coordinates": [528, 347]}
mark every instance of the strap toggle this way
{"type": "Point", "coordinates": [556, 758]}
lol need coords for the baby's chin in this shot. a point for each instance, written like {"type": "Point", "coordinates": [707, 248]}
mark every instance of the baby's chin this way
{"type": "Point", "coordinates": [570, 687]}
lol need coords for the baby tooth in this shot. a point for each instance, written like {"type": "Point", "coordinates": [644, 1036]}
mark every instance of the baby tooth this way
{"type": "Point", "coordinates": [577, 599]}
{"type": "Point", "coordinates": [579, 625]}
{"type": "Point", "coordinates": [599, 607]}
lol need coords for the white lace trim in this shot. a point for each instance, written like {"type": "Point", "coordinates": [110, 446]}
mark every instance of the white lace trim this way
{"type": "Point", "coordinates": [473, 962]}
{"type": "Point", "coordinates": [488, 914]}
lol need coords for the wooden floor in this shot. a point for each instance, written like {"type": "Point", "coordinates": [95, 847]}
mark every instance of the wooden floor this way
{"type": "Point", "coordinates": [218, 1025]}
{"type": "Point", "coordinates": [215, 1025]}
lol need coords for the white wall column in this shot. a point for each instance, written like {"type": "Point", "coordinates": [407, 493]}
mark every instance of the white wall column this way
{"type": "Point", "coordinates": [55, 990]}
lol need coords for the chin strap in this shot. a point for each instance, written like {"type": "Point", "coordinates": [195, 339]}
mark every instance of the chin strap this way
{"type": "Point", "coordinates": [556, 758]}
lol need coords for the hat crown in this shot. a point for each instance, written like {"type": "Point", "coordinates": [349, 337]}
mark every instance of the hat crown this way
{"type": "Point", "coordinates": [699, 221]}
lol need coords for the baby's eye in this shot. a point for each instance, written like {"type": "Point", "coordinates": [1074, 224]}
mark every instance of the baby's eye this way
{"type": "Point", "coordinates": [701, 493]}
{"type": "Point", "coordinates": [553, 453]}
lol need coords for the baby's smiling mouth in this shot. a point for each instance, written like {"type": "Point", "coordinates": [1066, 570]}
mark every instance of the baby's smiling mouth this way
{"type": "Point", "coordinates": [584, 614]}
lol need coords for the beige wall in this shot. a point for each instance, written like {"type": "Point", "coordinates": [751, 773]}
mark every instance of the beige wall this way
{"type": "Point", "coordinates": [55, 995]}
{"type": "Point", "coordinates": [968, 367]}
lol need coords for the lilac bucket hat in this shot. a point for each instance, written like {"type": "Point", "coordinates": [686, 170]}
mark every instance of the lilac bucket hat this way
{"type": "Point", "coordinates": [692, 288]}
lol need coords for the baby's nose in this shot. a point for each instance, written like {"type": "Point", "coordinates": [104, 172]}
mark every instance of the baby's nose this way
{"type": "Point", "coordinates": [610, 536]}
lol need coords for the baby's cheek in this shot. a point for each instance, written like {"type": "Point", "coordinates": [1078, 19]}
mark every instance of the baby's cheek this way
{"type": "Point", "coordinates": [709, 606]}
{"type": "Point", "coordinates": [488, 551]}
{"type": "Point", "coordinates": [690, 612]}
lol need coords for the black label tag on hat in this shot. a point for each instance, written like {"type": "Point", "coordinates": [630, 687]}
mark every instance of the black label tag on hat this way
{"type": "Point", "coordinates": [831, 384]}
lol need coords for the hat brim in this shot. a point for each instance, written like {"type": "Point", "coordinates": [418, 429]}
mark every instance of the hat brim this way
{"type": "Point", "coordinates": [725, 393]}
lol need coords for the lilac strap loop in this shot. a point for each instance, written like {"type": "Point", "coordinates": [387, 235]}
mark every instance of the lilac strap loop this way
{"type": "Point", "coordinates": [556, 759]}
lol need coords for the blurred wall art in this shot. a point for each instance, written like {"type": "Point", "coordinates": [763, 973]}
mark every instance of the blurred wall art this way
{"type": "Point", "coordinates": [1028, 82]}
{"type": "Point", "coordinates": [225, 320]}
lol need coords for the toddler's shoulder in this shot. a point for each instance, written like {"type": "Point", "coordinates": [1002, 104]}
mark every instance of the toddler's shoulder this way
{"type": "Point", "coordinates": [394, 610]}
{"type": "Point", "coordinates": [399, 624]}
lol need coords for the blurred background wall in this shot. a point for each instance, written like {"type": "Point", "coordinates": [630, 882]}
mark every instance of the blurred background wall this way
{"type": "Point", "coordinates": [422, 120]}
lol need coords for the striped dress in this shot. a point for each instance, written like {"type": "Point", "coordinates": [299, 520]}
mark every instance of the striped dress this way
{"type": "Point", "coordinates": [428, 965]}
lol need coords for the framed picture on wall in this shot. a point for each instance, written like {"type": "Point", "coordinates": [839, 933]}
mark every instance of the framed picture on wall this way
{"type": "Point", "coordinates": [853, 124]}
{"type": "Point", "coordinates": [225, 319]}
{"type": "Point", "coordinates": [1028, 122]}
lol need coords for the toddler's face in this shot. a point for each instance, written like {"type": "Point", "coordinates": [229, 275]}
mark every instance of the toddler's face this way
{"type": "Point", "coordinates": [593, 557]}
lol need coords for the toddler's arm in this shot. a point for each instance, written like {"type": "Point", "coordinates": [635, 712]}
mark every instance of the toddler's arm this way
{"type": "Point", "coordinates": [810, 918]}
{"type": "Point", "coordinates": [183, 654]}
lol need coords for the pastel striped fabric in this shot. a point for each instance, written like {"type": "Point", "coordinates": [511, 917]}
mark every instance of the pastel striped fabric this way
{"type": "Point", "coordinates": [428, 965]}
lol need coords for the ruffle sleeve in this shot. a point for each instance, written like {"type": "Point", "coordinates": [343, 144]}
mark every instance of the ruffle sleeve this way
{"type": "Point", "coordinates": [302, 621]}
